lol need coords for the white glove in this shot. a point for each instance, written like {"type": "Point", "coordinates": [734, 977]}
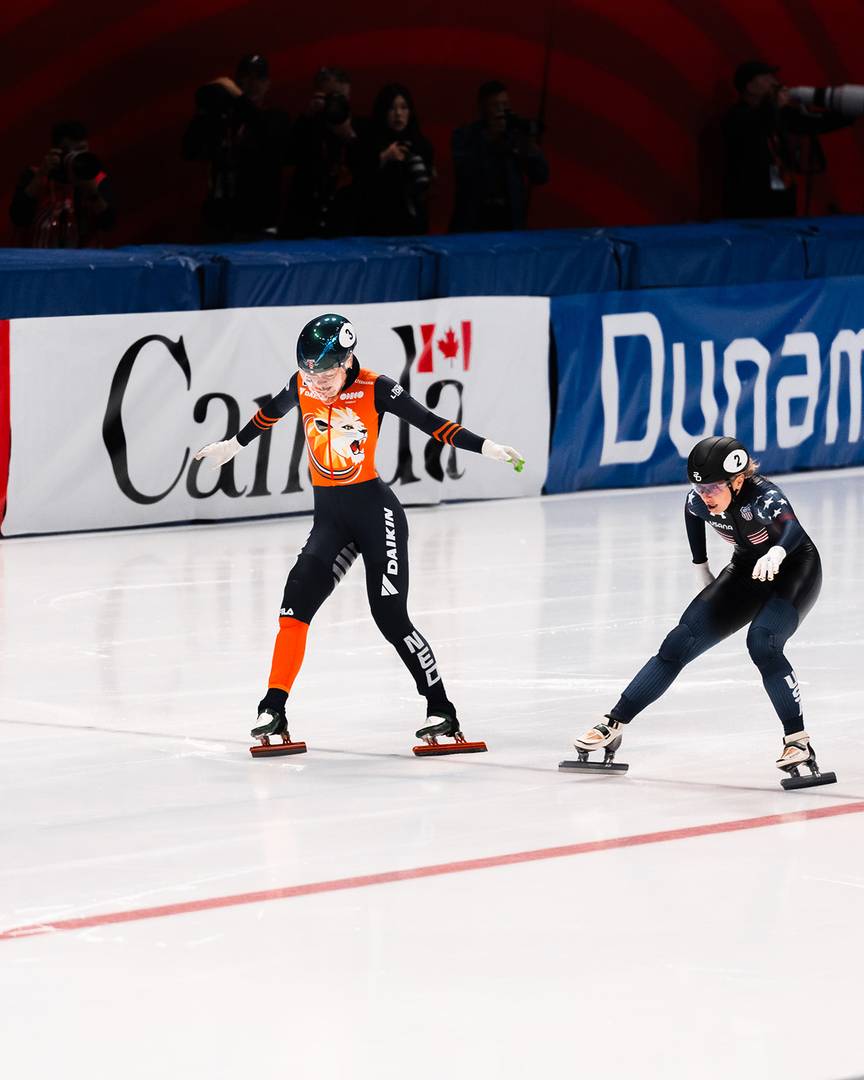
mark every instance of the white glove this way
{"type": "Point", "coordinates": [219, 453]}
{"type": "Point", "coordinates": [503, 453]}
{"type": "Point", "coordinates": [768, 566]}
{"type": "Point", "coordinates": [703, 574]}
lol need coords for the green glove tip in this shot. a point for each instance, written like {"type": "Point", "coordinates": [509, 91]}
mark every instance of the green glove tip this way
{"type": "Point", "coordinates": [519, 464]}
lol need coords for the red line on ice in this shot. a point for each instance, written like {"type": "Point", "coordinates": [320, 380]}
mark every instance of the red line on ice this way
{"type": "Point", "coordinates": [414, 873]}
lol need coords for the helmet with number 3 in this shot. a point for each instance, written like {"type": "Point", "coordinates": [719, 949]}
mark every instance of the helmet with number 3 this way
{"type": "Point", "coordinates": [715, 459]}
{"type": "Point", "coordinates": [325, 343]}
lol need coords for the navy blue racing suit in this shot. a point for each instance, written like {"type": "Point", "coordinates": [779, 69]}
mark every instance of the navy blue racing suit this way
{"type": "Point", "coordinates": [759, 517]}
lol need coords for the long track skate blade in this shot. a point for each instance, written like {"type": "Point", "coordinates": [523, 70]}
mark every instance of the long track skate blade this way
{"type": "Point", "coordinates": [790, 783]}
{"type": "Point", "coordinates": [450, 748]}
{"type": "Point", "coordinates": [593, 766]}
{"type": "Point", "coordinates": [278, 749]}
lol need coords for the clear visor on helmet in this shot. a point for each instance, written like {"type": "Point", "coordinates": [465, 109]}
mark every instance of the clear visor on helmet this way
{"type": "Point", "coordinates": [713, 489]}
{"type": "Point", "coordinates": [324, 382]}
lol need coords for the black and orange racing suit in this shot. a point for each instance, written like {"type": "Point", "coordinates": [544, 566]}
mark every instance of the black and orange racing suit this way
{"type": "Point", "coordinates": [356, 513]}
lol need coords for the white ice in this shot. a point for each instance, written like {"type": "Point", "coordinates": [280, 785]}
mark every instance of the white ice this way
{"type": "Point", "coordinates": [131, 664]}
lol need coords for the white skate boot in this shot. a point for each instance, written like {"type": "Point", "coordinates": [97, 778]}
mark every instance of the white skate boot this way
{"type": "Point", "coordinates": [797, 751]}
{"type": "Point", "coordinates": [603, 736]}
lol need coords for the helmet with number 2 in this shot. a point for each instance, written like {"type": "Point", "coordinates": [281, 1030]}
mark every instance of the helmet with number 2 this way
{"type": "Point", "coordinates": [716, 459]}
{"type": "Point", "coordinates": [325, 343]}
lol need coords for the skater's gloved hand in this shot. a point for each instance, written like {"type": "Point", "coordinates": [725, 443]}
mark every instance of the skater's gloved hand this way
{"type": "Point", "coordinates": [498, 452]}
{"type": "Point", "coordinates": [767, 567]}
{"type": "Point", "coordinates": [219, 453]}
{"type": "Point", "coordinates": [703, 574]}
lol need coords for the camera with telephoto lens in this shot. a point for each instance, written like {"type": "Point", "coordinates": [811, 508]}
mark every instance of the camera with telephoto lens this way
{"type": "Point", "coordinates": [337, 109]}
{"type": "Point", "coordinates": [847, 100]}
{"type": "Point", "coordinates": [415, 166]}
{"type": "Point", "coordinates": [82, 165]}
{"type": "Point", "coordinates": [522, 125]}
{"type": "Point", "coordinates": [75, 166]}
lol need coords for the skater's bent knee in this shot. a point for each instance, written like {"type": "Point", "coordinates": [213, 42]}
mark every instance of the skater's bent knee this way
{"type": "Point", "coordinates": [762, 646]}
{"type": "Point", "coordinates": [677, 645]}
{"type": "Point", "coordinates": [309, 584]}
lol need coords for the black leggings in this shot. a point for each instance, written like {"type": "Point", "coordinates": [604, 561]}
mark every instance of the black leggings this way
{"type": "Point", "coordinates": [366, 519]}
{"type": "Point", "coordinates": [773, 609]}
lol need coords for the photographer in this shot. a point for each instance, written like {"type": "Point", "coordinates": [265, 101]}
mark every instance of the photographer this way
{"type": "Point", "coordinates": [322, 199]}
{"type": "Point", "coordinates": [66, 201]}
{"type": "Point", "coordinates": [496, 161]}
{"type": "Point", "coordinates": [396, 168]}
{"type": "Point", "coordinates": [246, 147]}
{"type": "Point", "coordinates": [768, 142]}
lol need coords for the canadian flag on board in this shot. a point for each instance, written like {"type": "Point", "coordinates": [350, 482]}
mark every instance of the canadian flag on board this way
{"type": "Point", "coordinates": [445, 347]}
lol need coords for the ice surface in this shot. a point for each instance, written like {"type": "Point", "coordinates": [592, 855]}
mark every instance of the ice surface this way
{"type": "Point", "coordinates": [130, 666]}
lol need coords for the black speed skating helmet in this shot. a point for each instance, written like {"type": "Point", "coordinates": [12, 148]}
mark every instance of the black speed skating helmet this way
{"type": "Point", "coordinates": [324, 343]}
{"type": "Point", "coordinates": [717, 458]}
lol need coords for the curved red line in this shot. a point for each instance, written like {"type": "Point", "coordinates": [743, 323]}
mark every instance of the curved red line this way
{"type": "Point", "coordinates": [17, 14]}
{"type": "Point", "coordinates": [720, 24]}
{"type": "Point", "coordinates": [101, 49]}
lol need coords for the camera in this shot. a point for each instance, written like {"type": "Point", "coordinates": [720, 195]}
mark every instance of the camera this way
{"type": "Point", "coordinates": [76, 166]}
{"type": "Point", "coordinates": [415, 166]}
{"type": "Point", "coordinates": [847, 100]}
{"type": "Point", "coordinates": [522, 125]}
{"type": "Point", "coordinates": [336, 109]}
{"type": "Point", "coordinates": [82, 165]}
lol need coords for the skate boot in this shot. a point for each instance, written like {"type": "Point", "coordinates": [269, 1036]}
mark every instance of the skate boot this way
{"type": "Point", "coordinates": [605, 737]}
{"type": "Point", "coordinates": [446, 727]}
{"type": "Point", "coordinates": [272, 722]}
{"type": "Point", "coordinates": [798, 751]}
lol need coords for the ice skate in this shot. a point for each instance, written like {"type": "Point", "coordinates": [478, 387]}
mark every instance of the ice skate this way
{"type": "Point", "coordinates": [605, 737]}
{"type": "Point", "coordinates": [273, 723]}
{"type": "Point", "coordinates": [448, 728]}
{"type": "Point", "coordinates": [798, 751]}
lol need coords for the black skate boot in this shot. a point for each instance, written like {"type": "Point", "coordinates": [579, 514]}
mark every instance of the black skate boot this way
{"type": "Point", "coordinates": [273, 722]}
{"type": "Point", "coordinates": [798, 751]}
{"type": "Point", "coordinates": [605, 737]}
{"type": "Point", "coordinates": [447, 728]}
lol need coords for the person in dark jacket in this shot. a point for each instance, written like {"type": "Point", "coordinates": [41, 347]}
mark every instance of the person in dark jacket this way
{"type": "Point", "coordinates": [246, 146]}
{"type": "Point", "coordinates": [397, 167]}
{"type": "Point", "coordinates": [496, 161]}
{"type": "Point", "coordinates": [769, 142]}
{"type": "Point", "coordinates": [325, 152]}
{"type": "Point", "coordinates": [66, 201]}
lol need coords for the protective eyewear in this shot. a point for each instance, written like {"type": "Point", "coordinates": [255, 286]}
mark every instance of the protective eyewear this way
{"type": "Point", "coordinates": [717, 488]}
{"type": "Point", "coordinates": [323, 380]}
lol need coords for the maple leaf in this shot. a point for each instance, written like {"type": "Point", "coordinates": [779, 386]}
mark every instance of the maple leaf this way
{"type": "Point", "coordinates": [448, 345]}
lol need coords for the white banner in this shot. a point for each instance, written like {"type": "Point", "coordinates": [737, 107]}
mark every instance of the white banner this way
{"type": "Point", "coordinates": [107, 410]}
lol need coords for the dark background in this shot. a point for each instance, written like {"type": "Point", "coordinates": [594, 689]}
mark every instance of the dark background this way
{"type": "Point", "coordinates": [632, 89]}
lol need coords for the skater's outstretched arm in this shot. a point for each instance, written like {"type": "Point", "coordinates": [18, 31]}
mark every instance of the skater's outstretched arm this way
{"type": "Point", "coordinates": [695, 525]}
{"type": "Point", "coordinates": [390, 397]}
{"type": "Point", "coordinates": [222, 452]}
{"type": "Point", "coordinates": [694, 522]}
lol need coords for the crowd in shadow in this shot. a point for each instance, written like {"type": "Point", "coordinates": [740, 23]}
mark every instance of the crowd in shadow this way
{"type": "Point", "coordinates": [329, 173]}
